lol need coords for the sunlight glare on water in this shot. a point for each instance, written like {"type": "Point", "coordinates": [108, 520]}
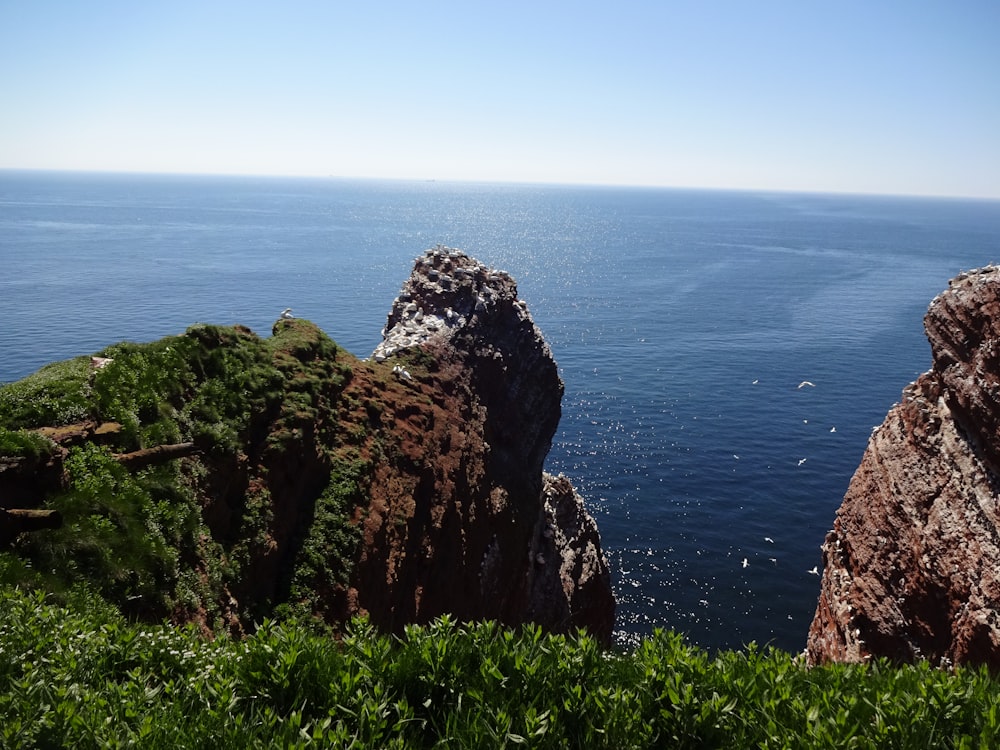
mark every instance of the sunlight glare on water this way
{"type": "Point", "coordinates": [683, 323]}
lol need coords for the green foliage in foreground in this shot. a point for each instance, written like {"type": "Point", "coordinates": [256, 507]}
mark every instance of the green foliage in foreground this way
{"type": "Point", "coordinates": [83, 677]}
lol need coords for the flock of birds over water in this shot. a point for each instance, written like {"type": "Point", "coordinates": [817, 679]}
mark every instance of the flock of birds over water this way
{"type": "Point", "coordinates": [746, 563]}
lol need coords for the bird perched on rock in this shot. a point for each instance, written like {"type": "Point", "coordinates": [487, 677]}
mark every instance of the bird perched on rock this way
{"type": "Point", "coordinates": [286, 314]}
{"type": "Point", "coordinates": [400, 373]}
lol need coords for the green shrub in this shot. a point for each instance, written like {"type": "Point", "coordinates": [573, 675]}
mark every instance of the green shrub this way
{"type": "Point", "coordinates": [140, 379]}
{"type": "Point", "coordinates": [59, 393]}
{"type": "Point", "coordinates": [326, 555]}
{"type": "Point", "coordinates": [25, 444]}
{"type": "Point", "coordinates": [82, 676]}
{"type": "Point", "coordinates": [115, 535]}
{"type": "Point", "coordinates": [140, 537]}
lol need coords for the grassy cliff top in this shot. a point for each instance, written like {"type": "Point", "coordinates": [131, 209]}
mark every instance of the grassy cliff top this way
{"type": "Point", "coordinates": [157, 456]}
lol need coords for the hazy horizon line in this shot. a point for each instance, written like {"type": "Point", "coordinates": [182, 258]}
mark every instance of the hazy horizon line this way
{"type": "Point", "coordinates": [497, 181]}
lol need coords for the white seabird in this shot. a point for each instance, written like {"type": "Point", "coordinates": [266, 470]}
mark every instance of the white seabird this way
{"type": "Point", "coordinates": [801, 461]}
{"type": "Point", "coordinates": [805, 383]}
{"type": "Point", "coordinates": [286, 314]}
{"type": "Point", "coordinates": [745, 563]}
{"type": "Point", "coordinates": [814, 571]}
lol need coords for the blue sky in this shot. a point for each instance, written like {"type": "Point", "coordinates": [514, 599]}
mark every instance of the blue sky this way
{"type": "Point", "coordinates": [876, 97]}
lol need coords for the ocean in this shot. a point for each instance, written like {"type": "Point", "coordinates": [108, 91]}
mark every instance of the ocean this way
{"type": "Point", "coordinates": [683, 322]}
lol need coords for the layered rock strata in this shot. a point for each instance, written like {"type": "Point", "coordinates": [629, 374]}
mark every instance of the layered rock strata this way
{"type": "Point", "coordinates": [487, 532]}
{"type": "Point", "coordinates": [911, 566]}
{"type": "Point", "coordinates": [286, 475]}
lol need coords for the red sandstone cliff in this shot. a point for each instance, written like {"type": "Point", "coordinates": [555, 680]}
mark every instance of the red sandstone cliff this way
{"type": "Point", "coordinates": [912, 565]}
{"type": "Point", "coordinates": [403, 487]}
{"type": "Point", "coordinates": [464, 520]}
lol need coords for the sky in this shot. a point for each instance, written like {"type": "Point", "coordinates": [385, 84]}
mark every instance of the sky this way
{"type": "Point", "coordinates": [878, 96]}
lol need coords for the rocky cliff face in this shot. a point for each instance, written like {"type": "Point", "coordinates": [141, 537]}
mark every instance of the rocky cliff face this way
{"type": "Point", "coordinates": [220, 476]}
{"type": "Point", "coordinates": [477, 529]}
{"type": "Point", "coordinates": [911, 565]}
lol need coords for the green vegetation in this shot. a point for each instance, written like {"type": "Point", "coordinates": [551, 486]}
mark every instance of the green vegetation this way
{"type": "Point", "coordinates": [118, 537]}
{"type": "Point", "coordinates": [24, 444]}
{"type": "Point", "coordinates": [279, 437]}
{"type": "Point", "coordinates": [59, 393]}
{"type": "Point", "coordinates": [331, 539]}
{"type": "Point", "coordinates": [82, 676]}
{"type": "Point", "coordinates": [153, 541]}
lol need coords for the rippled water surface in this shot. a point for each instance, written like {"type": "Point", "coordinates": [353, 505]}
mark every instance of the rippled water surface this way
{"type": "Point", "coordinates": [683, 323]}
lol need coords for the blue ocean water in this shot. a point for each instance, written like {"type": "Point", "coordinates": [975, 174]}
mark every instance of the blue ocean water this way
{"type": "Point", "coordinates": [683, 323]}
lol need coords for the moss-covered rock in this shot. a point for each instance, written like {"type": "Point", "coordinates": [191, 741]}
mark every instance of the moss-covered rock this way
{"type": "Point", "coordinates": [220, 478]}
{"type": "Point", "coordinates": [183, 537]}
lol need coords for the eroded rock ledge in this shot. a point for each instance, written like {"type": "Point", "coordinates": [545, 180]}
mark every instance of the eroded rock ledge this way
{"type": "Point", "coordinates": [911, 565]}
{"type": "Point", "coordinates": [263, 474]}
{"type": "Point", "coordinates": [504, 540]}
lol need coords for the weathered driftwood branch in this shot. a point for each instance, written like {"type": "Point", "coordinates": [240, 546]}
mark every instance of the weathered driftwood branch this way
{"type": "Point", "coordinates": [32, 519]}
{"type": "Point", "coordinates": [25, 480]}
{"type": "Point", "coordinates": [156, 455]}
{"type": "Point", "coordinates": [72, 434]}
{"type": "Point", "coordinates": [14, 521]}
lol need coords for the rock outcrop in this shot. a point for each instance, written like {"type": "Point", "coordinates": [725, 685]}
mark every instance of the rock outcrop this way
{"type": "Point", "coordinates": [911, 566]}
{"type": "Point", "coordinates": [286, 473]}
{"type": "Point", "coordinates": [481, 531]}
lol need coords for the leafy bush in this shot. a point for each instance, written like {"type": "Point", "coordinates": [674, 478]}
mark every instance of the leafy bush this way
{"type": "Point", "coordinates": [84, 677]}
{"type": "Point", "coordinates": [25, 444]}
{"type": "Point", "coordinates": [142, 538]}
{"type": "Point", "coordinates": [59, 393]}
{"type": "Point", "coordinates": [116, 536]}
{"type": "Point", "coordinates": [139, 379]}
{"type": "Point", "coordinates": [325, 558]}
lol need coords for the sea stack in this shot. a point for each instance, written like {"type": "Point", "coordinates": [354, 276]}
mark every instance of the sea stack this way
{"type": "Point", "coordinates": [911, 566]}
{"type": "Point", "coordinates": [488, 533]}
